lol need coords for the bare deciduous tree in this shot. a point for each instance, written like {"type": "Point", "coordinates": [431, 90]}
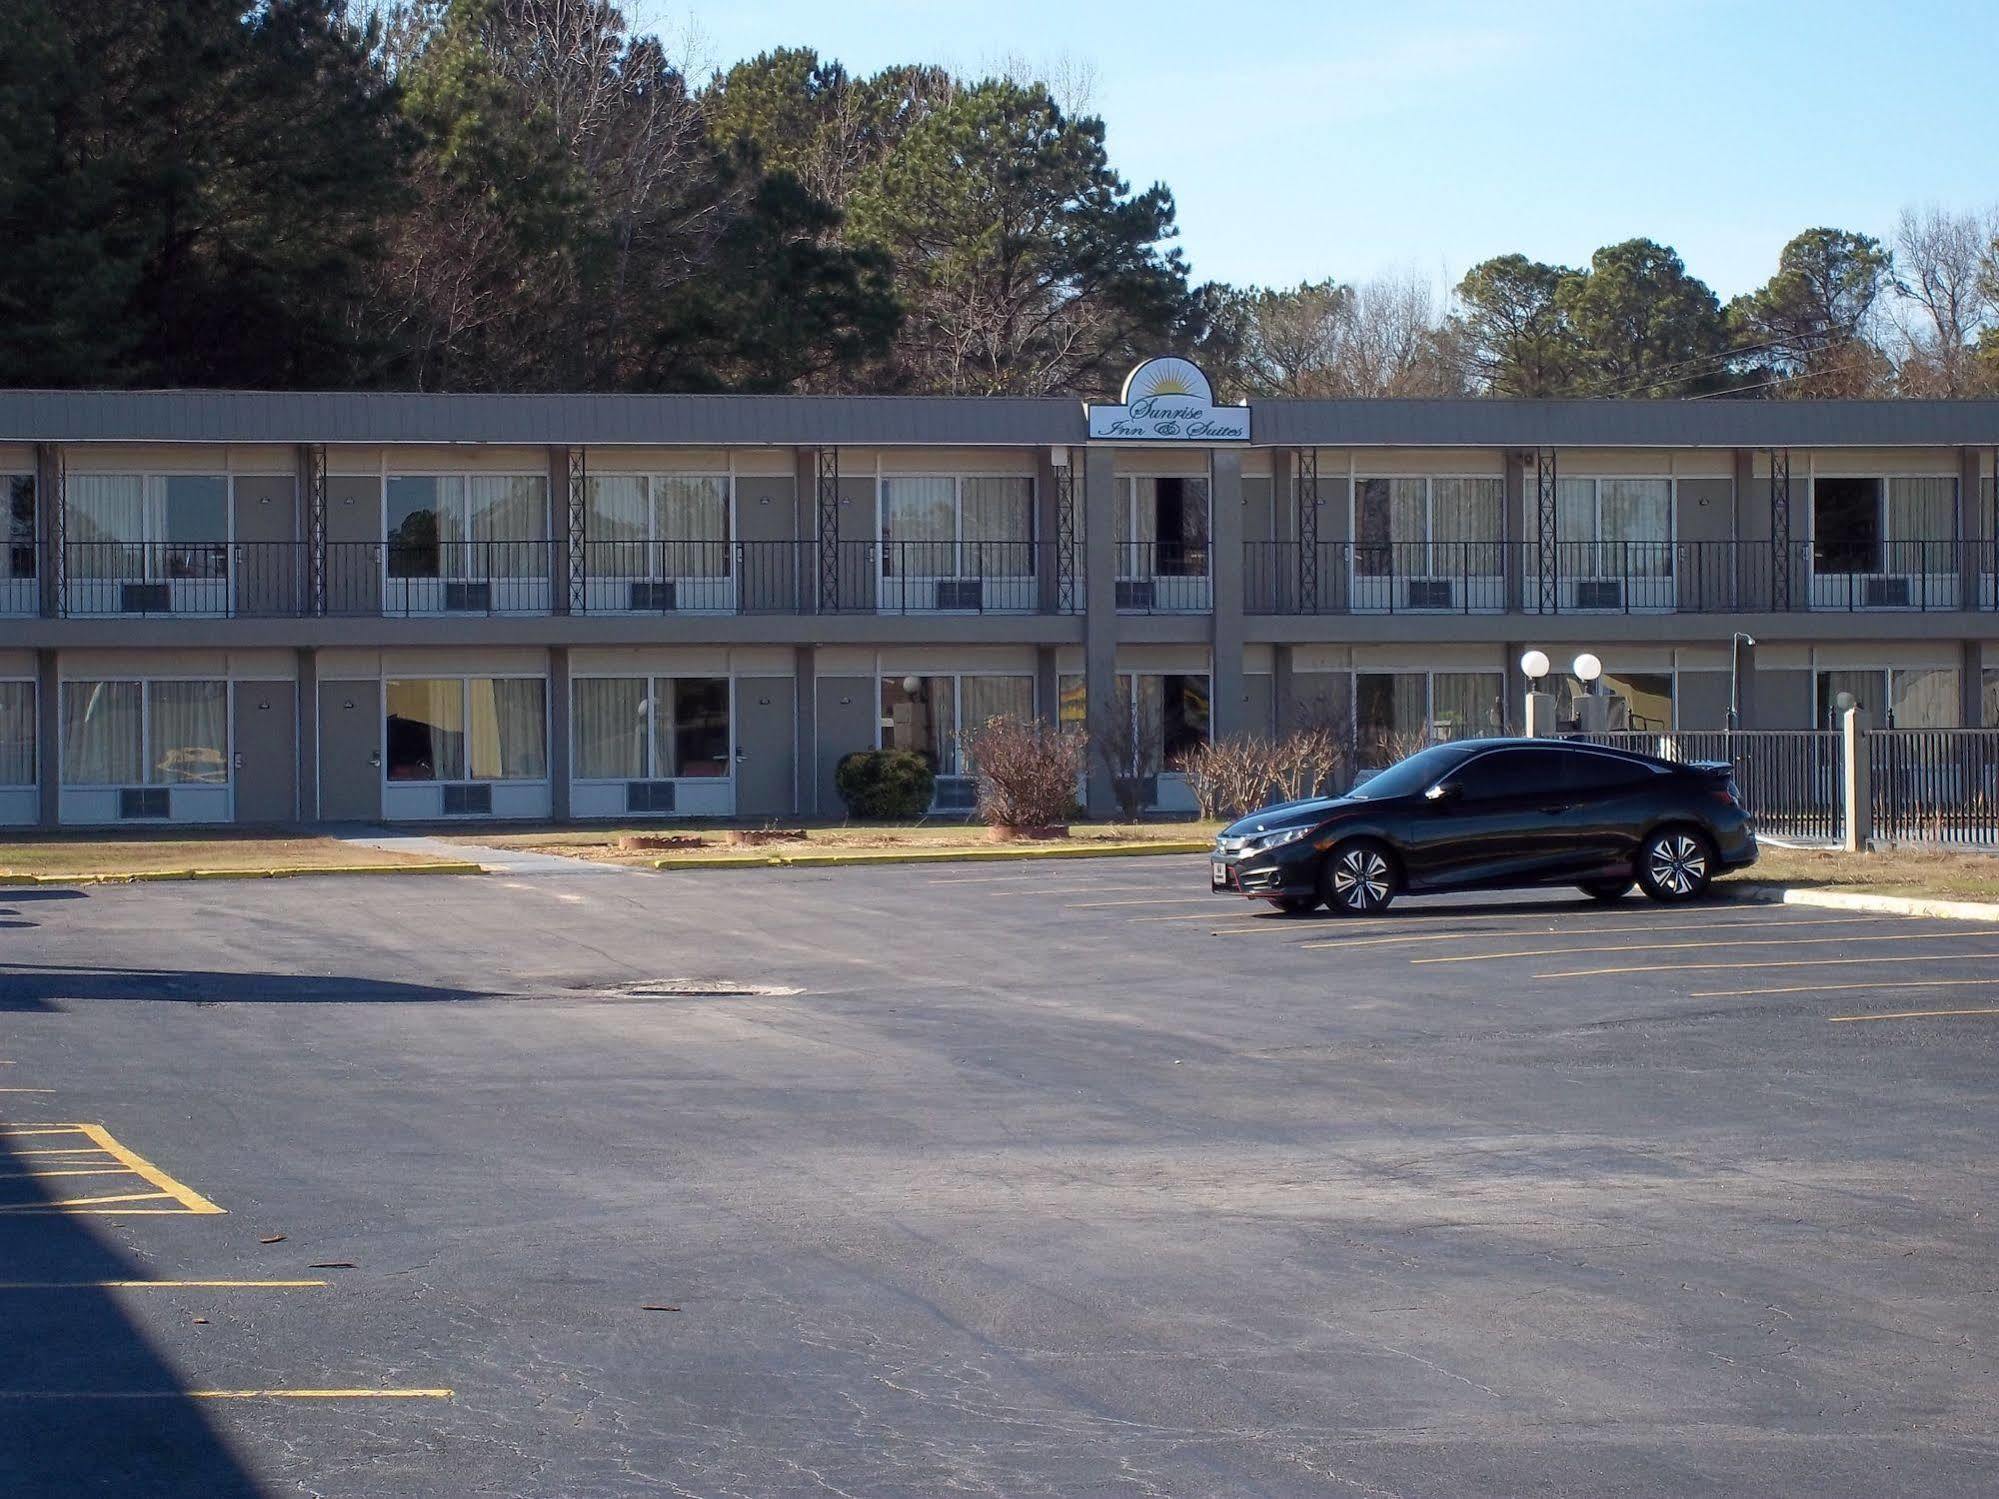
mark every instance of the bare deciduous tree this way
{"type": "Point", "coordinates": [1945, 288]}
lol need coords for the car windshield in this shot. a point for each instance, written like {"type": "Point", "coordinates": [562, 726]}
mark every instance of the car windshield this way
{"type": "Point", "coordinates": [1418, 773]}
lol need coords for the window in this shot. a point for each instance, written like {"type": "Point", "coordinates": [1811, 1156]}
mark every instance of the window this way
{"type": "Point", "coordinates": [1512, 772]}
{"type": "Point", "coordinates": [939, 526]}
{"type": "Point", "coordinates": [147, 526]}
{"type": "Point", "coordinates": [652, 728]}
{"type": "Point", "coordinates": [17, 733]}
{"type": "Point", "coordinates": [658, 525]}
{"type": "Point", "coordinates": [467, 526]}
{"type": "Point", "coordinates": [1394, 711]}
{"type": "Point", "coordinates": [1641, 702]}
{"type": "Point", "coordinates": [145, 733]}
{"type": "Point", "coordinates": [1922, 697]}
{"type": "Point", "coordinates": [1866, 524]}
{"type": "Point", "coordinates": [1428, 527]}
{"type": "Point", "coordinates": [467, 728]}
{"type": "Point", "coordinates": [1170, 713]}
{"type": "Point", "coordinates": [926, 714]}
{"type": "Point", "coordinates": [17, 556]}
{"type": "Point", "coordinates": [1614, 528]}
{"type": "Point", "coordinates": [1162, 528]}
{"type": "Point", "coordinates": [1582, 771]}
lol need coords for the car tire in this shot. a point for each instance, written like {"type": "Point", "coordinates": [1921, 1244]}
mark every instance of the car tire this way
{"type": "Point", "coordinates": [1676, 864]}
{"type": "Point", "coordinates": [1358, 878]}
{"type": "Point", "coordinates": [1606, 890]}
{"type": "Point", "coordinates": [1296, 905]}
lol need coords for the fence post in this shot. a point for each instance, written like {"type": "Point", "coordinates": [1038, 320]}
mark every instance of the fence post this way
{"type": "Point", "coordinates": [1856, 779]}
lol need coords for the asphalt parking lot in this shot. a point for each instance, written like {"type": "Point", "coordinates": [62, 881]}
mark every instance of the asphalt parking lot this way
{"type": "Point", "coordinates": [1050, 1179]}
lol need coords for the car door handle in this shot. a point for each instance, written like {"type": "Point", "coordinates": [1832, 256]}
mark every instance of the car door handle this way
{"type": "Point", "coordinates": [1558, 809]}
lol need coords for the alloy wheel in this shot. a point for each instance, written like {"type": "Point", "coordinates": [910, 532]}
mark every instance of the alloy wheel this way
{"type": "Point", "coordinates": [1361, 879]}
{"type": "Point", "coordinates": [1678, 864]}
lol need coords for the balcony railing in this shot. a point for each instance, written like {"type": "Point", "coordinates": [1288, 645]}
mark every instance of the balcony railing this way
{"type": "Point", "coordinates": [402, 579]}
{"type": "Point", "coordinates": [1616, 577]}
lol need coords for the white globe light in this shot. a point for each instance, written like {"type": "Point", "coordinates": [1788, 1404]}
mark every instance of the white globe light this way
{"type": "Point", "coordinates": [1588, 668]}
{"type": "Point", "coordinates": [1534, 664]}
{"type": "Point", "coordinates": [912, 685]}
{"type": "Point", "coordinates": [1843, 701]}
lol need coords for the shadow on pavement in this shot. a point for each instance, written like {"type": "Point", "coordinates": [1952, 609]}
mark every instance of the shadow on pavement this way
{"type": "Point", "coordinates": [87, 1404]}
{"type": "Point", "coordinates": [29, 986]}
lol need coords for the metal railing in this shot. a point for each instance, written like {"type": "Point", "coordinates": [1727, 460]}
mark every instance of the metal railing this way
{"type": "Point", "coordinates": [1789, 779]}
{"type": "Point", "coordinates": [1615, 577]}
{"type": "Point", "coordinates": [1937, 786]}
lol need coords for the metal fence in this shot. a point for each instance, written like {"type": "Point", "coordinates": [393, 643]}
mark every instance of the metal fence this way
{"type": "Point", "coordinates": [1938, 786]}
{"type": "Point", "coordinates": [1789, 779]}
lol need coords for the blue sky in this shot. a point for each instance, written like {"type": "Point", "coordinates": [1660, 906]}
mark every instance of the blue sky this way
{"type": "Point", "coordinates": [1332, 139]}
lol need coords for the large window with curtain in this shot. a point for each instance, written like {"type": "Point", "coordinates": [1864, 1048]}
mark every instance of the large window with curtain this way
{"type": "Point", "coordinates": [467, 526]}
{"type": "Point", "coordinates": [657, 526]}
{"type": "Point", "coordinates": [1900, 697]}
{"type": "Point", "coordinates": [1619, 528]}
{"type": "Point", "coordinates": [927, 713]}
{"type": "Point", "coordinates": [1443, 526]}
{"type": "Point", "coordinates": [146, 733]}
{"type": "Point", "coordinates": [957, 526]}
{"type": "Point", "coordinates": [17, 733]}
{"type": "Point", "coordinates": [1397, 712]}
{"type": "Point", "coordinates": [1162, 527]}
{"type": "Point", "coordinates": [146, 527]}
{"type": "Point", "coordinates": [466, 729]}
{"type": "Point", "coordinates": [1872, 524]}
{"type": "Point", "coordinates": [651, 728]}
{"type": "Point", "coordinates": [17, 547]}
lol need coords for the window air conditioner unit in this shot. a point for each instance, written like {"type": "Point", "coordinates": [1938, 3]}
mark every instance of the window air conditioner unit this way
{"type": "Point", "coordinates": [653, 598]}
{"type": "Point", "coordinates": [1885, 593]}
{"type": "Point", "coordinates": [1428, 593]}
{"type": "Point", "coordinates": [144, 802]}
{"type": "Point", "coordinates": [956, 794]}
{"type": "Point", "coordinates": [146, 598]}
{"type": "Point", "coordinates": [467, 801]}
{"type": "Point", "coordinates": [1134, 593]}
{"type": "Point", "coordinates": [1599, 593]}
{"type": "Point", "coordinates": [472, 598]}
{"type": "Point", "coordinates": [960, 593]}
{"type": "Point", "coordinates": [648, 796]}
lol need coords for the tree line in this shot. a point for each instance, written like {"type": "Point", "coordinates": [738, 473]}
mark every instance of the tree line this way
{"type": "Point", "coordinates": [525, 195]}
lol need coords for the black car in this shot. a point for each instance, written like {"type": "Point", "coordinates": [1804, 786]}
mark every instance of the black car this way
{"type": "Point", "coordinates": [1492, 813]}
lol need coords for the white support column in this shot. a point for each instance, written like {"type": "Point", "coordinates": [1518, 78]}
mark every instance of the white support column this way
{"type": "Point", "coordinates": [1856, 779]}
{"type": "Point", "coordinates": [1540, 715]}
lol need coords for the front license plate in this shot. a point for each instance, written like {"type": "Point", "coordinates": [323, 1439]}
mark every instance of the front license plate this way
{"type": "Point", "coordinates": [1218, 875]}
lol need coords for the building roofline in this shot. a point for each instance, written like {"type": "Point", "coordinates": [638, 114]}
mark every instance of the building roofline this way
{"type": "Point", "coordinates": [383, 417]}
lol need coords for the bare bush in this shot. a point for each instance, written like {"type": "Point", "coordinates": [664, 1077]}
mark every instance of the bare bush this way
{"type": "Point", "coordinates": [1232, 777]}
{"type": "Point", "coordinates": [1027, 770]}
{"type": "Point", "coordinates": [1128, 753]}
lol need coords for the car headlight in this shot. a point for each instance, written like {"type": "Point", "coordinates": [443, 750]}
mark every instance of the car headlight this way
{"type": "Point", "coordinates": [1275, 840]}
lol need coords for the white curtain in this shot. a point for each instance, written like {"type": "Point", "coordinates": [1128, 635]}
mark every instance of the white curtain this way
{"type": "Point", "coordinates": [106, 525]}
{"type": "Point", "coordinates": [692, 518]}
{"type": "Point", "coordinates": [507, 726]}
{"type": "Point", "coordinates": [1576, 528]}
{"type": "Point", "coordinates": [999, 527]}
{"type": "Point", "coordinates": [615, 511]}
{"type": "Point", "coordinates": [1868, 688]}
{"type": "Point", "coordinates": [103, 734]}
{"type": "Point", "coordinates": [17, 733]}
{"type": "Point", "coordinates": [985, 697]}
{"type": "Point", "coordinates": [189, 732]}
{"type": "Point", "coordinates": [1138, 530]}
{"type": "Point", "coordinates": [507, 518]}
{"type": "Point", "coordinates": [1924, 697]}
{"type": "Point", "coordinates": [1466, 704]}
{"type": "Point", "coordinates": [1637, 527]}
{"type": "Point", "coordinates": [610, 728]}
{"type": "Point", "coordinates": [920, 526]}
{"type": "Point", "coordinates": [1922, 522]}
{"type": "Point", "coordinates": [1466, 527]}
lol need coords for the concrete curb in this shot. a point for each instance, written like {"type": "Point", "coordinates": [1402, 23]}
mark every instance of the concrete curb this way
{"type": "Point", "coordinates": [1856, 900]}
{"type": "Point", "coordinates": [936, 856]}
{"type": "Point", "coordinates": [152, 876]}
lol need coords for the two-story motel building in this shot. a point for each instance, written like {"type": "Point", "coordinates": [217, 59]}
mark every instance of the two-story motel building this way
{"type": "Point", "coordinates": [276, 607]}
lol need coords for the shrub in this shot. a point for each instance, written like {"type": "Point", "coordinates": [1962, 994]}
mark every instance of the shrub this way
{"type": "Point", "coordinates": [1027, 770]}
{"type": "Point", "coordinates": [887, 785]}
{"type": "Point", "coordinates": [1231, 777]}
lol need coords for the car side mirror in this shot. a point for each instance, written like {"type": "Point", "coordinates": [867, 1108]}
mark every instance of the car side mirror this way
{"type": "Point", "coordinates": [1443, 793]}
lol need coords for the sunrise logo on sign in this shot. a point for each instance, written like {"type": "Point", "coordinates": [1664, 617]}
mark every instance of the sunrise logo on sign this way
{"type": "Point", "coordinates": [1169, 400]}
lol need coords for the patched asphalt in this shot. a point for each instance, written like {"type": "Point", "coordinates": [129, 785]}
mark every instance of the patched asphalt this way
{"type": "Point", "coordinates": [1051, 1179]}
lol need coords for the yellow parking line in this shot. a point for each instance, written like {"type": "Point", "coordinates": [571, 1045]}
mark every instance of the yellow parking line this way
{"type": "Point", "coordinates": [163, 1285]}
{"type": "Point", "coordinates": [82, 1202]}
{"type": "Point", "coordinates": [1906, 1015]}
{"type": "Point", "coordinates": [27, 1090]}
{"type": "Point", "coordinates": [186, 1196]}
{"type": "Point", "coordinates": [1847, 988]}
{"type": "Point", "coordinates": [15, 1131]}
{"type": "Point", "coordinates": [329, 1394]}
{"type": "Point", "coordinates": [9, 1176]}
{"type": "Point", "coordinates": [190, 1201]}
{"type": "Point", "coordinates": [1552, 952]}
{"type": "Point", "coordinates": [1155, 900]}
{"type": "Point", "coordinates": [1931, 957]}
